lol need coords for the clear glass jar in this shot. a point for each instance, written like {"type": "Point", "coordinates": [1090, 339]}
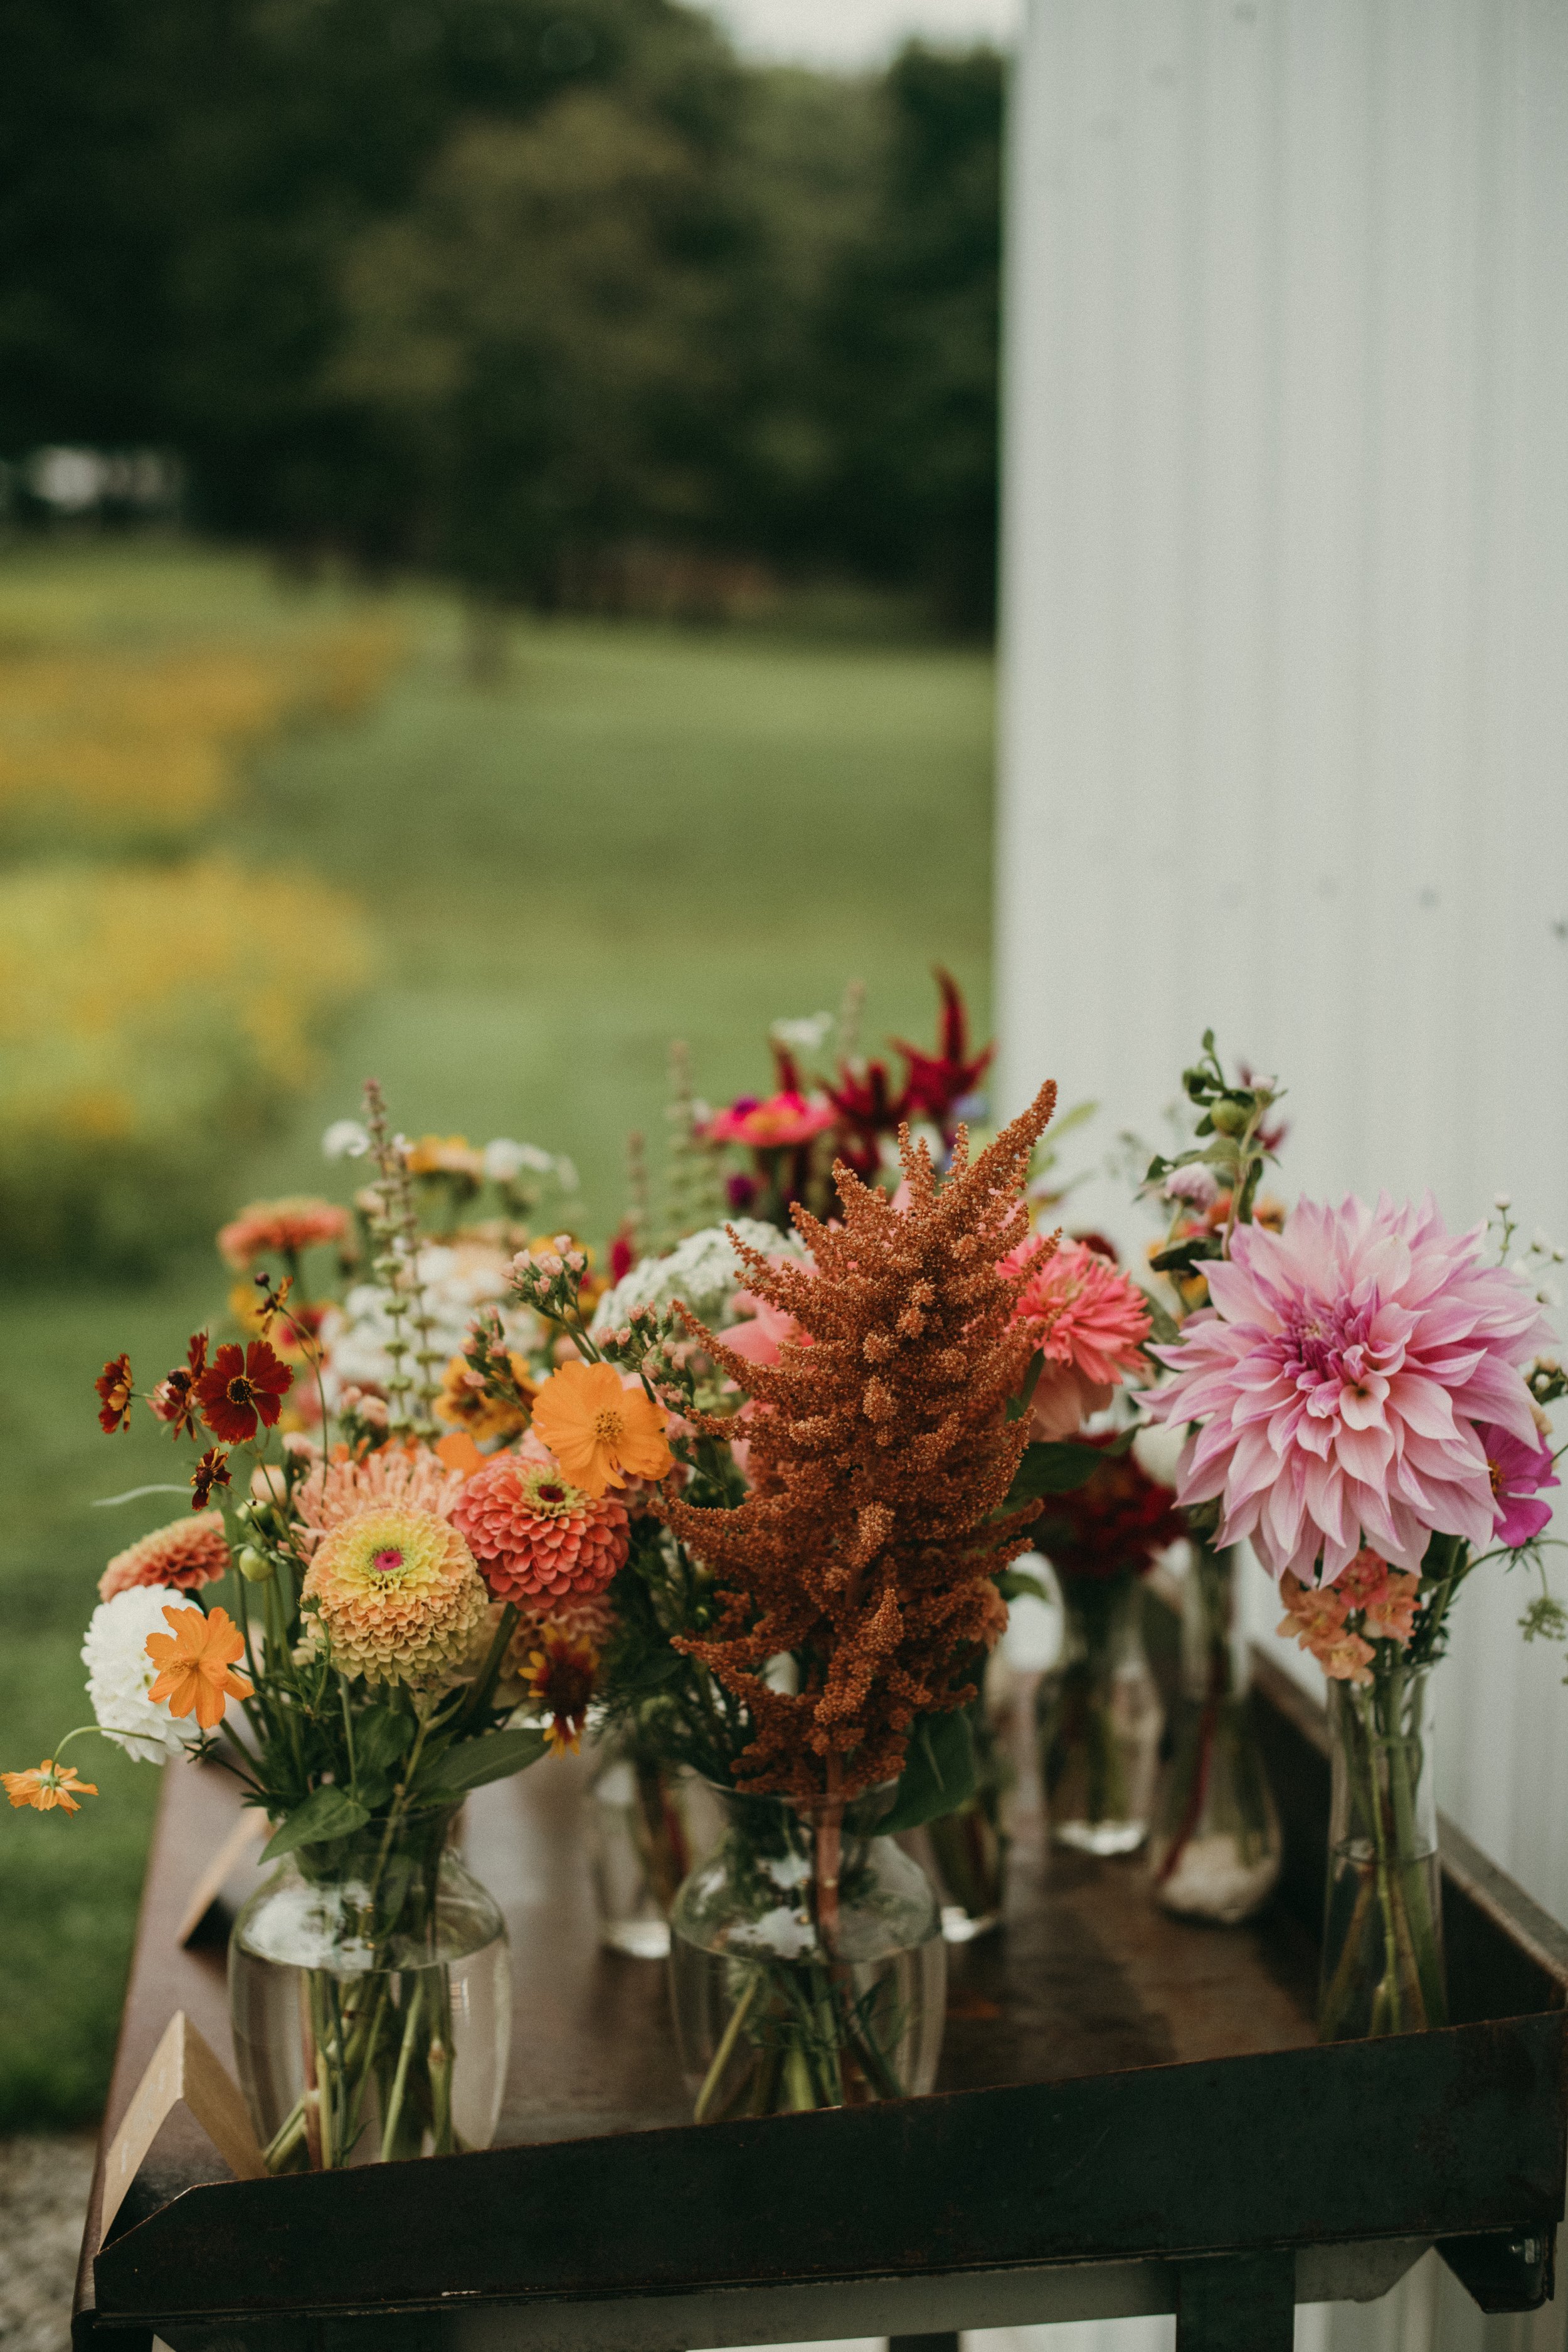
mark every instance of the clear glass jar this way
{"type": "Point", "coordinates": [1383, 1969]}
{"type": "Point", "coordinates": [639, 1847]}
{"type": "Point", "coordinates": [807, 1968]}
{"type": "Point", "coordinates": [369, 1992]}
{"type": "Point", "coordinates": [1216, 1849]}
{"type": "Point", "coordinates": [1100, 1720]}
{"type": "Point", "coordinates": [968, 1848]}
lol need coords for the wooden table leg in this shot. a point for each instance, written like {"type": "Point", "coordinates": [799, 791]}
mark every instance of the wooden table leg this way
{"type": "Point", "coordinates": [1237, 2303]}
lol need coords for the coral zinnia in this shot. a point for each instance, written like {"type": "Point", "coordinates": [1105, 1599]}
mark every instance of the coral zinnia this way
{"type": "Point", "coordinates": [195, 1662]}
{"type": "Point", "coordinates": [536, 1537]}
{"type": "Point", "coordinates": [599, 1428]}
{"type": "Point", "coordinates": [396, 1594]}
{"type": "Point", "coordinates": [780, 1123]}
{"type": "Point", "coordinates": [241, 1386]}
{"type": "Point", "coordinates": [46, 1785]}
{"type": "Point", "coordinates": [1092, 1323]}
{"type": "Point", "coordinates": [280, 1229]}
{"type": "Point", "coordinates": [1342, 1376]}
{"type": "Point", "coordinates": [183, 1557]}
{"type": "Point", "coordinates": [338, 1489]}
{"type": "Point", "coordinates": [559, 1684]}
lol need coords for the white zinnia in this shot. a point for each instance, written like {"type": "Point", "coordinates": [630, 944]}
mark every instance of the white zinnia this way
{"type": "Point", "coordinates": [120, 1673]}
{"type": "Point", "coordinates": [703, 1270]}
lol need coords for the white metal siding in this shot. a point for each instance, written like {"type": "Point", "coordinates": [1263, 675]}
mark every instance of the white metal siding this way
{"type": "Point", "coordinates": [1285, 704]}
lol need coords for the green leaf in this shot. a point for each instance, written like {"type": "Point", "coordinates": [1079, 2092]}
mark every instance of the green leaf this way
{"type": "Point", "coordinates": [326, 1814]}
{"type": "Point", "coordinates": [938, 1776]}
{"type": "Point", "coordinates": [1055, 1469]}
{"type": "Point", "coordinates": [475, 1761]}
{"type": "Point", "coordinates": [1018, 1406]}
{"type": "Point", "coordinates": [1184, 1257]}
{"type": "Point", "coordinates": [1013, 1583]}
{"type": "Point", "coordinates": [381, 1736]}
{"type": "Point", "coordinates": [1162, 1325]}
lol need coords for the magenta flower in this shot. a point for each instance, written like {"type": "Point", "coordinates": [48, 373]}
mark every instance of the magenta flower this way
{"type": "Point", "coordinates": [1341, 1377]}
{"type": "Point", "coordinates": [1518, 1473]}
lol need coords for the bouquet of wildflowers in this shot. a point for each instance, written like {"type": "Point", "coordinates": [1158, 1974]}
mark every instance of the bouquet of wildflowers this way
{"type": "Point", "coordinates": [407, 1618]}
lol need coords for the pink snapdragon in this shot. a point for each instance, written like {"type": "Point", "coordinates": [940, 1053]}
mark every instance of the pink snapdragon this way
{"type": "Point", "coordinates": [1342, 1377]}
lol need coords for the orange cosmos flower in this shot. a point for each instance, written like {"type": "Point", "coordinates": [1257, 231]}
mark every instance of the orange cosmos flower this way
{"type": "Point", "coordinates": [599, 1430]}
{"type": "Point", "coordinates": [50, 1784]}
{"type": "Point", "coordinates": [194, 1664]}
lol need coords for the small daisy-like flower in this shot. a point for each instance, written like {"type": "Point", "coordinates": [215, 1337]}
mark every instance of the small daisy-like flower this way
{"type": "Point", "coordinates": [538, 1539]}
{"type": "Point", "coordinates": [600, 1430]}
{"type": "Point", "coordinates": [115, 1394]}
{"type": "Point", "coordinates": [241, 1387]}
{"type": "Point", "coordinates": [560, 1682]}
{"type": "Point", "coordinates": [464, 1402]}
{"type": "Point", "coordinates": [49, 1784]}
{"type": "Point", "coordinates": [212, 1471]}
{"type": "Point", "coordinates": [280, 1229]}
{"type": "Point", "coordinates": [174, 1399]}
{"type": "Point", "coordinates": [182, 1556]}
{"type": "Point", "coordinates": [195, 1661]}
{"type": "Point", "coordinates": [396, 1594]}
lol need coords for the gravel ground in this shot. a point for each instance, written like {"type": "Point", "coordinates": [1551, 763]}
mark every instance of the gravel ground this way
{"type": "Point", "coordinates": [44, 2182]}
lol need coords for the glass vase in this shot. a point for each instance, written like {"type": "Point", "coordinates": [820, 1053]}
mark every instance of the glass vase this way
{"type": "Point", "coordinates": [1382, 1969]}
{"type": "Point", "coordinates": [1100, 1720]}
{"type": "Point", "coordinates": [807, 1968]}
{"type": "Point", "coordinates": [1216, 1849]}
{"type": "Point", "coordinates": [370, 1993]}
{"type": "Point", "coordinates": [968, 1847]}
{"type": "Point", "coordinates": [639, 1848]}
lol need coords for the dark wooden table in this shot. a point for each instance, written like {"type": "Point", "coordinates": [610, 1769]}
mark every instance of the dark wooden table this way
{"type": "Point", "coordinates": [1136, 2120]}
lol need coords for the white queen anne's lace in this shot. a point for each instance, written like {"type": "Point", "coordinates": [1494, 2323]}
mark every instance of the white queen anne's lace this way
{"type": "Point", "coordinates": [703, 1270]}
{"type": "Point", "coordinates": [120, 1673]}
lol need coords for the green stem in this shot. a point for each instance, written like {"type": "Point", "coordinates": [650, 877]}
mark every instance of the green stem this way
{"type": "Point", "coordinates": [721, 2056]}
{"type": "Point", "coordinates": [400, 2080]}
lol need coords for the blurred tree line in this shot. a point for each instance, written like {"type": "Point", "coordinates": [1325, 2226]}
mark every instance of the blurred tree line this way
{"type": "Point", "coordinates": [510, 287]}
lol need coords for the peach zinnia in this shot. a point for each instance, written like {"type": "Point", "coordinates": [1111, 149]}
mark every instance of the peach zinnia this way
{"type": "Point", "coordinates": [395, 1593]}
{"type": "Point", "coordinates": [183, 1555]}
{"type": "Point", "coordinates": [280, 1229]}
{"type": "Point", "coordinates": [195, 1661]}
{"type": "Point", "coordinates": [599, 1430]}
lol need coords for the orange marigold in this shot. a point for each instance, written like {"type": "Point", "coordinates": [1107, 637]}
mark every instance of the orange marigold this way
{"type": "Point", "coordinates": [183, 1555]}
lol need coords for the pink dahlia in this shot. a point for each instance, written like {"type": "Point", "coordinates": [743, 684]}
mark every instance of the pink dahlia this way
{"type": "Point", "coordinates": [1342, 1376]}
{"type": "Point", "coordinates": [762, 1332]}
{"type": "Point", "coordinates": [1518, 1472]}
{"type": "Point", "coordinates": [782, 1122]}
{"type": "Point", "coordinates": [538, 1539]}
{"type": "Point", "coordinates": [1092, 1325]}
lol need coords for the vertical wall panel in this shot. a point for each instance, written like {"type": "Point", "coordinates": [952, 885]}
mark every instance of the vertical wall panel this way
{"type": "Point", "coordinates": [1284, 706]}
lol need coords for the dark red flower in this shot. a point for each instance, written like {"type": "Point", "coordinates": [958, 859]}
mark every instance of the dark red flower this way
{"type": "Point", "coordinates": [623, 1252]}
{"type": "Point", "coordinates": [868, 1108]}
{"type": "Point", "coordinates": [1111, 1527]}
{"type": "Point", "coordinates": [174, 1399]}
{"type": "Point", "coordinates": [211, 1471]}
{"type": "Point", "coordinates": [115, 1395]}
{"type": "Point", "coordinates": [240, 1386]}
{"type": "Point", "coordinates": [938, 1081]}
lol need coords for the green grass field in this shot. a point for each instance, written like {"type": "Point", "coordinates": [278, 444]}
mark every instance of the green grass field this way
{"type": "Point", "coordinates": [640, 835]}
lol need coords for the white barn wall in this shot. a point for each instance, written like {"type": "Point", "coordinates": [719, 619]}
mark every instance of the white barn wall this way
{"type": "Point", "coordinates": [1285, 702]}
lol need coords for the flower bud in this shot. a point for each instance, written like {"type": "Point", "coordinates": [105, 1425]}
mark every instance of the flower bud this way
{"type": "Point", "coordinates": [254, 1566]}
{"type": "Point", "coordinates": [1229, 1117]}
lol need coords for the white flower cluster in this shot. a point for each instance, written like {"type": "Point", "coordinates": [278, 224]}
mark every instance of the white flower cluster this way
{"type": "Point", "coordinates": [120, 1673]}
{"type": "Point", "coordinates": [703, 1270]}
{"type": "Point", "coordinates": [457, 1279]}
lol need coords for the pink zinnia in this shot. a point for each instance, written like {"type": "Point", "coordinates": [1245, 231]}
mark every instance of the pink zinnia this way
{"type": "Point", "coordinates": [538, 1539]}
{"type": "Point", "coordinates": [1341, 1374]}
{"type": "Point", "coordinates": [338, 1489]}
{"type": "Point", "coordinates": [1092, 1326]}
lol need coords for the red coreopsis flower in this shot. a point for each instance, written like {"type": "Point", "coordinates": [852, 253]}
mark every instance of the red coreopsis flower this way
{"type": "Point", "coordinates": [115, 1395]}
{"type": "Point", "coordinates": [174, 1399]}
{"type": "Point", "coordinates": [938, 1081]}
{"type": "Point", "coordinates": [240, 1387]}
{"type": "Point", "coordinates": [211, 1471]}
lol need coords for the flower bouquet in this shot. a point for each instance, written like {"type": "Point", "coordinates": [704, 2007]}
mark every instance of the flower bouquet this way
{"type": "Point", "coordinates": [1364, 1395]}
{"type": "Point", "coordinates": [406, 1621]}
